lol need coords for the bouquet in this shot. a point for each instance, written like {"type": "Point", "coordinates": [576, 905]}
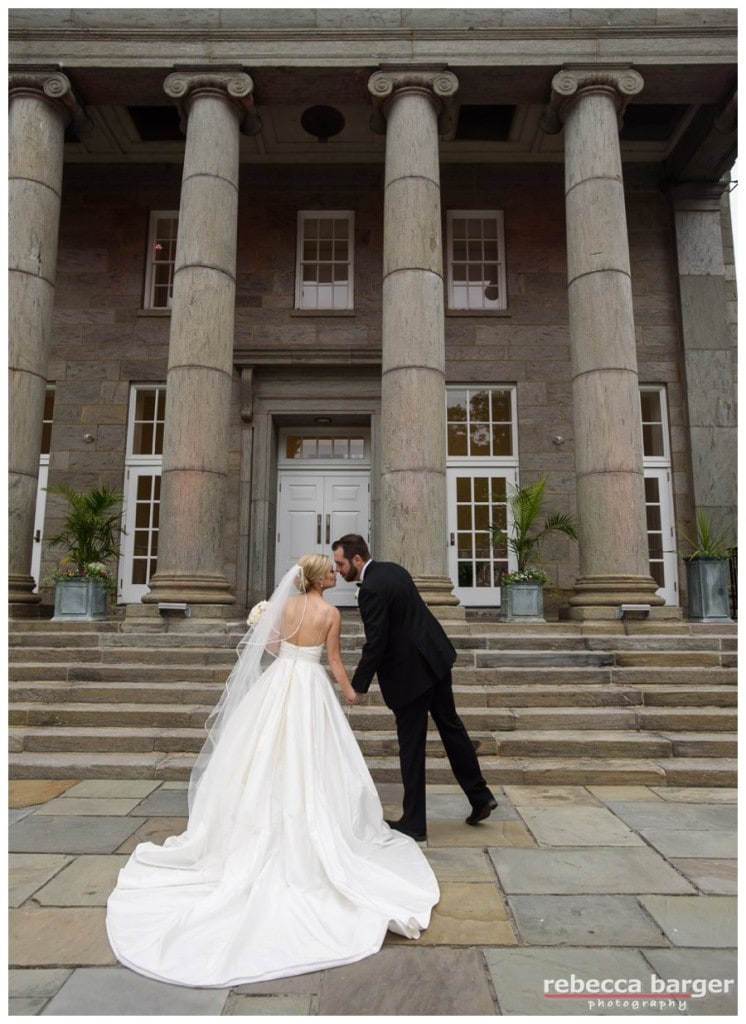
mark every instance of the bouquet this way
{"type": "Point", "coordinates": [256, 613]}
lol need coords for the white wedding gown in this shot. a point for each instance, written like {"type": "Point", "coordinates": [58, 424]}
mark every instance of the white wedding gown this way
{"type": "Point", "coordinates": [286, 865]}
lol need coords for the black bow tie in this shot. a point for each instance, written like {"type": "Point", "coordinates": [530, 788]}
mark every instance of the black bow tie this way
{"type": "Point", "coordinates": [358, 584]}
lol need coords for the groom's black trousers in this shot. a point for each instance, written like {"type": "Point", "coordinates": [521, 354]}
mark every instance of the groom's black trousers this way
{"type": "Point", "coordinates": [411, 728]}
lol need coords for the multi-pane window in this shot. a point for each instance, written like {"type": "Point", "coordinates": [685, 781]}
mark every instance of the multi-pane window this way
{"type": "Point", "coordinates": [476, 260]}
{"type": "Point", "coordinates": [46, 428]}
{"type": "Point", "coordinates": [659, 491]}
{"type": "Point", "coordinates": [654, 434]}
{"type": "Point", "coordinates": [300, 447]}
{"type": "Point", "coordinates": [481, 502]}
{"type": "Point", "coordinates": [480, 422]}
{"type": "Point", "coordinates": [482, 466]}
{"type": "Point", "coordinates": [159, 277]}
{"type": "Point", "coordinates": [142, 490]}
{"type": "Point", "coordinates": [146, 422]}
{"type": "Point", "coordinates": [324, 266]}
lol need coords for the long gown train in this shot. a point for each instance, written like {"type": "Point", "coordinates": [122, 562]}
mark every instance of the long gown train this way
{"type": "Point", "coordinates": [286, 865]}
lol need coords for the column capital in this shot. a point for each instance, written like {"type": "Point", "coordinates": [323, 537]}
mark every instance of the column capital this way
{"type": "Point", "coordinates": [236, 87]}
{"type": "Point", "coordinates": [704, 196]}
{"type": "Point", "coordinates": [51, 87]}
{"type": "Point", "coordinates": [621, 82]}
{"type": "Point", "coordinates": [437, 84]}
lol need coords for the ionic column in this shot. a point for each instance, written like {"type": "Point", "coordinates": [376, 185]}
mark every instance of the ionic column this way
{"type": "Point", "coordinates": [614, 563]}
{"type": "Point", "coordinates": [41, 107]}
{"type": "Point", "coordinates": [198, 396]}
{"type": "Point", "coordinates": [413, 456]}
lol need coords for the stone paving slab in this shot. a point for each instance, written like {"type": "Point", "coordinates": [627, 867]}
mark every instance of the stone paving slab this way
{"type": "Point", "coordinates": [468, 914]}
{"type": "Point", "coordinates": [27, 792]}
{"type": "Point", "coordinates": [446, 807]}
{"type": "Point", "coordinates": [486, 833]}
{"type": "Point", "coordinates": [709, 964]}
{"type": "Point", "coordinates": [90, 806]}
{"type": "Point", "coordinates": [266, 1006]}
{"type": "Point", "coordinates": [30, 989]}
{"type": "Point", "coordinates": [19, 813]}
{"type": "Point", "coordinates": [107, 991]}
{"type": "Point", "coordinates": [455, 864]}
{"type": "Point", "coordinates": [550, 796]}
{"type": "Point", "coordinates": [690, 795]}
{"type": "Point", "coordinates": [711, 876]}
{"type": "Point", "coordinates": [707, 921]}
{"type": "Point", "coordinates": [409, 981]}
{"type": "Point", "coordinates": [44, 936]}
{"type": "Point", "coordinates": [628, 793]}
{"type": "Point", "coordinates": [28, 872]}
{"type": "Point", "coordinates": [645, 815]}
{"type": "Point", "coordinates": [521, 977]}
{"type": "Point", "coordinates": [577, 826]}
{"type": "Point", "coordinates": [154, 830]}
{"type": "Point", "coordinates": [613, 870]}
{"type": "Point", "coordinates": [584, 921]}
{"type": "Point", "coordinates": [672, 843]}
{"type": "Point", "coordinates": [64, 834]}
{"type": "Point", "coordinates": [117, 788]}
{"type": "Point", "coordinates": [171, 803]}
{"type": "Point", "coordinates": [87, 882]}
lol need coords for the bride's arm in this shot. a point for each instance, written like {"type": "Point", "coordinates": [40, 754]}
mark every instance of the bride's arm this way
{"type": "Point", "coordinates": [335, 659]}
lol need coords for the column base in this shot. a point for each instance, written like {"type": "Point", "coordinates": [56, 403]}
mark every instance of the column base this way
{"type": "Point", "coordinates": [193, 588]}
{"type": "Point", "coordinates": [21, 589]}
{"type": "Point", "coordinates": [437, 593]}
{"type": "Point", "coordinates": [599, 597]}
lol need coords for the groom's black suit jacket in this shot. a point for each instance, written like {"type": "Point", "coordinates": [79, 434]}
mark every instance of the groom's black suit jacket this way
{"type": "Point", "coordinates": [400, 630]}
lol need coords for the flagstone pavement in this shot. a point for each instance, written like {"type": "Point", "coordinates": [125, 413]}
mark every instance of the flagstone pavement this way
{"type": "Point", "coordinates": [563, 890]}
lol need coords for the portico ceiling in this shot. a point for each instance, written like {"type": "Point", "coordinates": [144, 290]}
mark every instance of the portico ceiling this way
{"type": "Point", "coordinates": [117, 62]}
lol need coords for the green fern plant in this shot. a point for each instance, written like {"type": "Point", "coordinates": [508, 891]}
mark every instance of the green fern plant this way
{"type": "Point", "coordinates": [526, 534]}
{"type": "Point", "coordinates": [92, 527]}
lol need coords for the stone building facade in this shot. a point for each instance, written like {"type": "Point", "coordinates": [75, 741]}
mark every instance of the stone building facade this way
{"type": "Point", "coordinates": [278, 274]}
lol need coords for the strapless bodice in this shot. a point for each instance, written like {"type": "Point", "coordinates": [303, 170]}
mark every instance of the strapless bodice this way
{"type": "Point", "coordinates": [296, 653]}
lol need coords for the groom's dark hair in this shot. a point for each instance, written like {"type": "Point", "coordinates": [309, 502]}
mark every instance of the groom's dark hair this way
{"type": "Point", "coordinates": [352, 544]}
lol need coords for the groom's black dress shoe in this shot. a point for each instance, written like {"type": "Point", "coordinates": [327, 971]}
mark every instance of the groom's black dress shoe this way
{"type": "Point", "coordinates": [480, 813]}
{"type": "Point", "coordinates": [400, 828]}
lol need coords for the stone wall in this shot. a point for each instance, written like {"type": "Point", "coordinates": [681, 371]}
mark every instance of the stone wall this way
{"type": "Point", "coordinates": [104, 341]}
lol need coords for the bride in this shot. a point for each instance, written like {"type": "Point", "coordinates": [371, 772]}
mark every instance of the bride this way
{"type": "Point", "coordinates": [286, 865]}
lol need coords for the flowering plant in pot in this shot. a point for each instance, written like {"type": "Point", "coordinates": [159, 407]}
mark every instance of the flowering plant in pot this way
{"type": "Point", "coordinates": [524, 585]}
{"type": "Point", "coordinates": [90, 537]}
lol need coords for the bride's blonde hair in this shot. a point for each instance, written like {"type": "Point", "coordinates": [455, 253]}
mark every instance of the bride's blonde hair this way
{"type": "Point", "coordinates": [315, 568]}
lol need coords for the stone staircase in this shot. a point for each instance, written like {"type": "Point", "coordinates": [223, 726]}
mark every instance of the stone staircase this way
{"type": "Point", "coordinates": [551, 703]}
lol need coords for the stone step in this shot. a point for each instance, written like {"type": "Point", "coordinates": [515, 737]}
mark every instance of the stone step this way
{"type": "Point", "coordinates": [191, 710]}
{"type": "Point", "coordinates": [76, 672]}
{"type": "Point", "coordinates": [674, 771]}
{"type": "Point", "coordinates": [611, 743]}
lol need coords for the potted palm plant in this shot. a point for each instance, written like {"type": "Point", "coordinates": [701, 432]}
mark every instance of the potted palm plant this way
{"type": "Point", "coordinates": [707, 571]}
{"type": "Point", "coordinates": [90, 537]}
{"type": "Point", "coordinates": [523, 587]}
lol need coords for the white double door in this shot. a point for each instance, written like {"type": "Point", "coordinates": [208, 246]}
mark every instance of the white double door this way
{"type": "Point", "coordinates": [314, 509]}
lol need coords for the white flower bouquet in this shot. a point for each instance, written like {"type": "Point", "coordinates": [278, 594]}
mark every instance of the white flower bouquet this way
{"type": "Point", "coordinates": [256, 613]}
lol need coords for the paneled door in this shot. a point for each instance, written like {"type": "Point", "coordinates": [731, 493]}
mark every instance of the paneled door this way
{"type": "Point", "coordinates": [314, 509]}
{"type": "Point", "coordinates": [477, 499]}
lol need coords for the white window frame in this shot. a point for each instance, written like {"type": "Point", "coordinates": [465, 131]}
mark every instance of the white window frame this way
{"type": "Point", "coordinates": [148, 464]}
{"type": "Point", "coordinates": [151, 282]}
{"type": "Point", "coordinates": [659, 466]}
{"type": "Point", "coordinates": [41, 495]}
{"type": "Point", "coordinates": [468, 303]}
{"type": "Point", "coordinates": [345, 299]}
{"type": "Point", "coordinates": [479, 465]}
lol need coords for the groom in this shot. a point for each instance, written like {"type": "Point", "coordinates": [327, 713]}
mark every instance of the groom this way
{"type": "Point", "coordinates": [407, 648]}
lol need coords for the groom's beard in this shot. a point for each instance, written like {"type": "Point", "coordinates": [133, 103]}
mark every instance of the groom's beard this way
{"type": "Point", "coordinates": [352, 574]}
